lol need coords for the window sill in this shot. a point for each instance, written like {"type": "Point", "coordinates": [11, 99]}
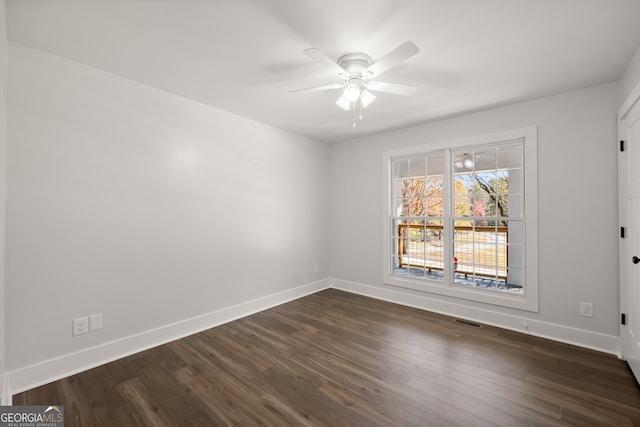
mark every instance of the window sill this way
{"type": "Point", "coordinates": [502, 299]}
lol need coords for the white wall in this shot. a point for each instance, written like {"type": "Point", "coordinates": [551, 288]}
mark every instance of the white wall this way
{"type": "Point", "coordinates": [153, 209]}
{"type": "Point", "coordinates": [630, 78]}
{"type": "Point", "coordinates": [577, 210]}
{"type": "Point", "coordinates": [3, 188]}
{"type": "Point", "coordinates": [146, 207]}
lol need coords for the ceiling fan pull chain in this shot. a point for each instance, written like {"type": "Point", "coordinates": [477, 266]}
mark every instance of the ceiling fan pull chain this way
{"type": "Point", "coordinates": [354, 114]}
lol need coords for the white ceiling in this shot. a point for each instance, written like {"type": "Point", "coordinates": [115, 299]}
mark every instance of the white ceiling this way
{"type": "Point", "coordinates": [244, 56]}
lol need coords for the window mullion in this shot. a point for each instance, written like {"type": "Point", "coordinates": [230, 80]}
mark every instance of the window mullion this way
{"type": "Point", "coordinates": [448, 201]}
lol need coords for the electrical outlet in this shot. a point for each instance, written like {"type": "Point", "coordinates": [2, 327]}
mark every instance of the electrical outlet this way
{"type": "Point", "coordinates": [586, 309]}
{"type": "Point", "coordinates": [80, 326]}
{"type": "Point", "coordinates": [316, 269]}
{"type": "Point", "coordinates": [95, 322]}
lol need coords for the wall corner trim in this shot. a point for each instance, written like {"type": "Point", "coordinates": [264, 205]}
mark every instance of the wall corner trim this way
{"type": "Point", "coordinates": [631, 100]}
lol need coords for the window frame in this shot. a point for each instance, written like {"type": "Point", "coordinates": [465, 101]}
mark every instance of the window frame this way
{"type": "Point", "coordinates": [529, 300]}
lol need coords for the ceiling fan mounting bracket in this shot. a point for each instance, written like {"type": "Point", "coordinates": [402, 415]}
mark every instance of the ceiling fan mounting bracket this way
{"type": "Point", "coordinates": [355, 63]}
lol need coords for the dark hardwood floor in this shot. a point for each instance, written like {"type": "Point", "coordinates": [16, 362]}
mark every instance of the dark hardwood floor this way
{"type": "Point", "coordinates": [339, 359]}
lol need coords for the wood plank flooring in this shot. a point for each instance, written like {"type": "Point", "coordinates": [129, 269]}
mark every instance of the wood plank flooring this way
{"type": "Point", "coordinates": [339, 359]}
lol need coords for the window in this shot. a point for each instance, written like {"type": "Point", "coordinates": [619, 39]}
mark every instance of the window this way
{"type": "Point", "coordinates": [456, 217]}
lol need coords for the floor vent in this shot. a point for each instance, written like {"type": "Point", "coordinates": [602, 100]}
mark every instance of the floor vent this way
{"type": "Point", "coordinates": [468, 323]}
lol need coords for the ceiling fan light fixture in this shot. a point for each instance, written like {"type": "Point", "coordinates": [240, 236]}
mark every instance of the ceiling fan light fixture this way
{"type": "Point", "coordinates": [343, 103]}
{"type": "Point", "coordinates": [356, 70]}
{"type": "Point", "coordinates": [351, 92]}
{"type": "Point", "coordinates": [468, 163]}
{"type": "Point", "coordinates": [367, 98]}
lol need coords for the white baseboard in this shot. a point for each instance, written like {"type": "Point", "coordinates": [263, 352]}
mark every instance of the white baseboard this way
{"type": "Point", "coordinates": [32, 376]}
{"type": "Point", "coordinates": [28, 377]}
{"type": "Point", "coordinates": [579, 337]}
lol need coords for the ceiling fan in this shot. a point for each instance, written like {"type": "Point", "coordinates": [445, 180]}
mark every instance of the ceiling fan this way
{"type": "Point", "coordinates": [469, 160]}
{"type": "Point", "coordinates": [357, 71]}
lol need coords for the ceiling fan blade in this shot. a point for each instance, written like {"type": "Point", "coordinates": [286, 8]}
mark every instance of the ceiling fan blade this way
{"type": "Point", "coordinates": [318, 88]}
{"type": "Point", "coordinates": [403, 52]}
{"type": "Point", "coordinates": [318, 56]}
{"type": "Point", "coordinates": [395, 88]}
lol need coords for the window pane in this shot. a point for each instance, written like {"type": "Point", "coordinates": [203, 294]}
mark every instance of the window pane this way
{"type": "Point", "coordinates": [462, 161]}
{"type": "Point", "coordinates": [510, 157]}
{"type": "Point", "coordinates": [417, 187]}
{"type": "Point", "coordinates": [435, 206]}
{"type": "Point", "coordinates": [504, 177]}
{"type": "Point", "coordinates": [399, 207]}
{"type": "Point", "coordinates": [435, 165]}
{"type": "Point", "coordinates": [484, 182]}
{"type": "Point", "coordinates": [502, 206]}
{"type": "Point", "coordinates": [485, 160]}
{"type": "Point", "coordinates": [417, 167]}
{"type": "Point", "coordinates": [397, 227]}
{"type": "Point", "coordinates": [398, 184]}
{"type": "Point", "coordinates": [401, 169]}
{"type": "Point", "coordinates": [515, 205]}
{"type": "Point", "coordinates": [463, 183]}
{"type": "Point", "coordinates": [515, 281]}
{"type": "Point", "coordinates": [435, 185]}
{"type": "Point", "coordinates": [482, 251]}
{"type": "Point", "coordinates": [463, 206]}
{"type": "Point", "coordinates": [487, 183]}
{"type": "Point", "coordinates": [419, 249]}
{"type": "Point", "coordinates": [398, 242]}
{"type": "Point", "coordinates": [484, 205]}
{"type": "Point", "coordinates": [417, 207]}
{"type": "Point", "coordinates": [418, 194]}
{"type": "Point", "coordinates": [515, 256]}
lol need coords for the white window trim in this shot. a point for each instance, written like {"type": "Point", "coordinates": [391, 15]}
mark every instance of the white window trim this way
{"type": "Point", "coordinates": [528, 301]}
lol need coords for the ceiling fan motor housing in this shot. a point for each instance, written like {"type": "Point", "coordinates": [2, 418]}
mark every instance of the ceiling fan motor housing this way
{"type": "Point", "coordinates": [355, 64]}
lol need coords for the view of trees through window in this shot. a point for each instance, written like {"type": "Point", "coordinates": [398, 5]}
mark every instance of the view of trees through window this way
{"type": "Point", "coordinates": [484, 222]}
